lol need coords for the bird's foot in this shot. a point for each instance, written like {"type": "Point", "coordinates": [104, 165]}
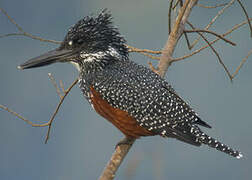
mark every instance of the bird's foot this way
{"type": "Point", "coordinates": [125, 141]}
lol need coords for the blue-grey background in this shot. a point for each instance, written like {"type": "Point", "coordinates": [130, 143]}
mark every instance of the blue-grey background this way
{"type": "Point", "coordinates": [82, 142]}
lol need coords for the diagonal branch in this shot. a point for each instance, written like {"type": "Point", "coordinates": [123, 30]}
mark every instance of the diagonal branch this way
{"type": "Point", "coordinates": [212, 7]}
{"type": "Point", "coordinates": [49, 123]}
{"type": "Point", "coordinates": [115, 161]}
{"type": "Point", "coordinates": [169, 16]}
{"type": "Point", "coordinates": [213, 20]}
{"type": "Point", "coordinates": [211, 32]}
{"type": "Point", "coordinates": [241, 64]}
{"type": "Point", "coordinates": [235, 27]}
{"type": "Point", "coordinates": [187, 41]}
{"type": "Point", "coordinates": [22, 32]}
{"type": "Point", "coordinates": [177, 31]}
{"type": "Point", "coordinates": [55, 84]}
{"type": "Point", "coordinates": [57, 109]}
{"type": "Point", "coordinates": [246, 14]}
{"type": "Point", "coordinates": [215, 52]}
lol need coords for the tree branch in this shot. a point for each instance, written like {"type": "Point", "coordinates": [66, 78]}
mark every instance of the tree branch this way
{"type": "Point", "coordinates": [235, 27]}
{"type": "Point", "coordinates": [211, 32]}
{"type": "Point", "coordinates": [241, 64]}
{"type": "Point", "coordinates": [211, 7]}
{"type": "Point", "coordinates": [167, 52]}
{"type": "Point", "coordinates": [48, 123]}
{"type": "Point", "coordinates": [116, 159]}
{"type": "Point", "coordinates": [213, 20]}
{"type": "Point", "coordinates": [215, 52]}
{"type": "Point", "coordinates": [22, 32]}
{"type": "Point", "coordinates": [169, 16]}
{"type": "Point", "coordinates": [246, 14]}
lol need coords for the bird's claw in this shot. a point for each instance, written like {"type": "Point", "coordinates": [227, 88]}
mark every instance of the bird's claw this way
{"type": "Point", "coordinates": [125, 141]}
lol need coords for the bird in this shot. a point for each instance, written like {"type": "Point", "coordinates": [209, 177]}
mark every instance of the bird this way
{"type": "Point", "coordinates": [131, 96]}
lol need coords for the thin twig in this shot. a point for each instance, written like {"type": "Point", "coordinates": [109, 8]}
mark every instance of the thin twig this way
{"type": "Point", "coordinates": [144, 52]}
{"type": "Point", "coordinates": [187, 41]}
{"type": "Point", "coordinates": [49, 123]}
{"type": "Point", "coordinates": [152, 67]}
{"type": "Point", "coordinates": [62, 86]}
{"type": "Point", "coordinates": [22, 32]}
{"type": "Point", "coordinates": [11, 20]}
{"type": "Point", "coordinates": [215, 52]}
{"type": "Point", "coordinates": [16, 114]}
{"type": "Point", "coordinates": [241, 64]}
{"type": "Point", "coordinates": [134, 49]}
{"type": "Point", "coordinates": [235, 27]}
{"type": "Point", "coordinates": [211, 32]}
{"type": "Point", "coordinates": [218, 56]}
{"type": "Point", "coordinates": [176, 3]}
{"type": "Point", "coordinates": [57, 109]}
{"type": "Point", "coordinates": [30, 36]}
{"type": "Point", "coordinates": [211, 7]}
{"type": "Point", "coordinates": [55, 84]}
{"type": "Point", "coordinates": [169, 17]}
{"type": "Point", "coordinates": [213, 20]}
{"type": "Point", "coordinates": [150, 56]}
{"type": "Point", "coordinates": [246, 14]}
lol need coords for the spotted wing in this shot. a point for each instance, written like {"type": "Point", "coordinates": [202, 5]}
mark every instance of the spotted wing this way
{"type": "Point", "coordinates": [149, 99]}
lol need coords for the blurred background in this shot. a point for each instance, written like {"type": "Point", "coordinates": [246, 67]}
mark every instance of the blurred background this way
{"type": "Point", "coordinates": [82, 142]}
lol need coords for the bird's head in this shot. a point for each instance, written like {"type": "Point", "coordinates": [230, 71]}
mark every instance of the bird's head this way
{"type": "Point", "coordinates": [92, 40]}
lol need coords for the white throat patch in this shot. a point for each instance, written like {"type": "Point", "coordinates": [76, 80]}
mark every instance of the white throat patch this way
{"type": "Point", "coordinates": [99, 55]}
{"type": "Point", "coordinates": [96, 56]}
{"type": "Point", "coordinates": [76, 65]}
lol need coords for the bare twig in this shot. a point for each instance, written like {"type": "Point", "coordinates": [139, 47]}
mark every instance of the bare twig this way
{"type": "Point", "coordinates": [211, 7]}
{"type": "Point", "coordinates": [187, 41]}
{"type": "Point", "coordinates": [152, 67]}
{"type": "Point", "coordinates": [57, 109]}
{"type": "Point", "coordinates": [55, 84]}
{"type": "Point", "coordinates": [62, 86]}
{"type": "Point", "coordinates": [145, 52]}
{"type": "Point", "coordinates": [241, 64]}
{"type": "Point", "coordinates": [134, 49]}
{"type": "Point", "coordinates": [235, 27]}
{"type": "Point", "coordinates": [211, 32]}
{"type": "Point", "coordinates": [215, 52]}
{"type": "Point", "coordinates": [213, 20]}
{"type": "Point", "coordinates": [218, 56]}
{"type": "Point", "coordinates": [176, 4]}
{"type": "Point", "coordinates": [246, 14]}
{"type": "Point", "coordinates": [22, 32]}
{"type": "Point", "coordinates": [16, 114]}
{"type": "Point", "coordinates": [49, 123]}
{"type": "Point", "coordinates": [169, 17]}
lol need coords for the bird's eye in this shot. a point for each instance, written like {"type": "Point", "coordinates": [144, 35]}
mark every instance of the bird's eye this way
{"type": "Point", "coordinates": [70, 43]}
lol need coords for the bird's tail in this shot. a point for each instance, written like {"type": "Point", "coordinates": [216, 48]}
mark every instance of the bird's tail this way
{"type": "Point", "coordinates": [205, 139]}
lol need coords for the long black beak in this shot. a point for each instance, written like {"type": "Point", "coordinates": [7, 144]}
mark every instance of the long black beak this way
{"type": "Point", "coordinates": [57, 55]}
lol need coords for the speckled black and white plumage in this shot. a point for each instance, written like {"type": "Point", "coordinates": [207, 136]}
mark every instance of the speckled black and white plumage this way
{"type": "Point", "coordinates": [137, 90]}
{"type": "Point", "coordinates": [98, 50]}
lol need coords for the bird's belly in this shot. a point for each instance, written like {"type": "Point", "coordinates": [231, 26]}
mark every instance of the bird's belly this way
{"type": "Point", "coordinates": [119, 118]}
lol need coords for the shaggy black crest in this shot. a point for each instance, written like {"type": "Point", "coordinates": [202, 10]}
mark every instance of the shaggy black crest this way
{"type": "Point", "coordinates": [94, 34]}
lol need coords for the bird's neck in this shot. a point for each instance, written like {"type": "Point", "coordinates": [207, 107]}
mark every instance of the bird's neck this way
{"type": "Point", "coordinates": [97, 61]}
